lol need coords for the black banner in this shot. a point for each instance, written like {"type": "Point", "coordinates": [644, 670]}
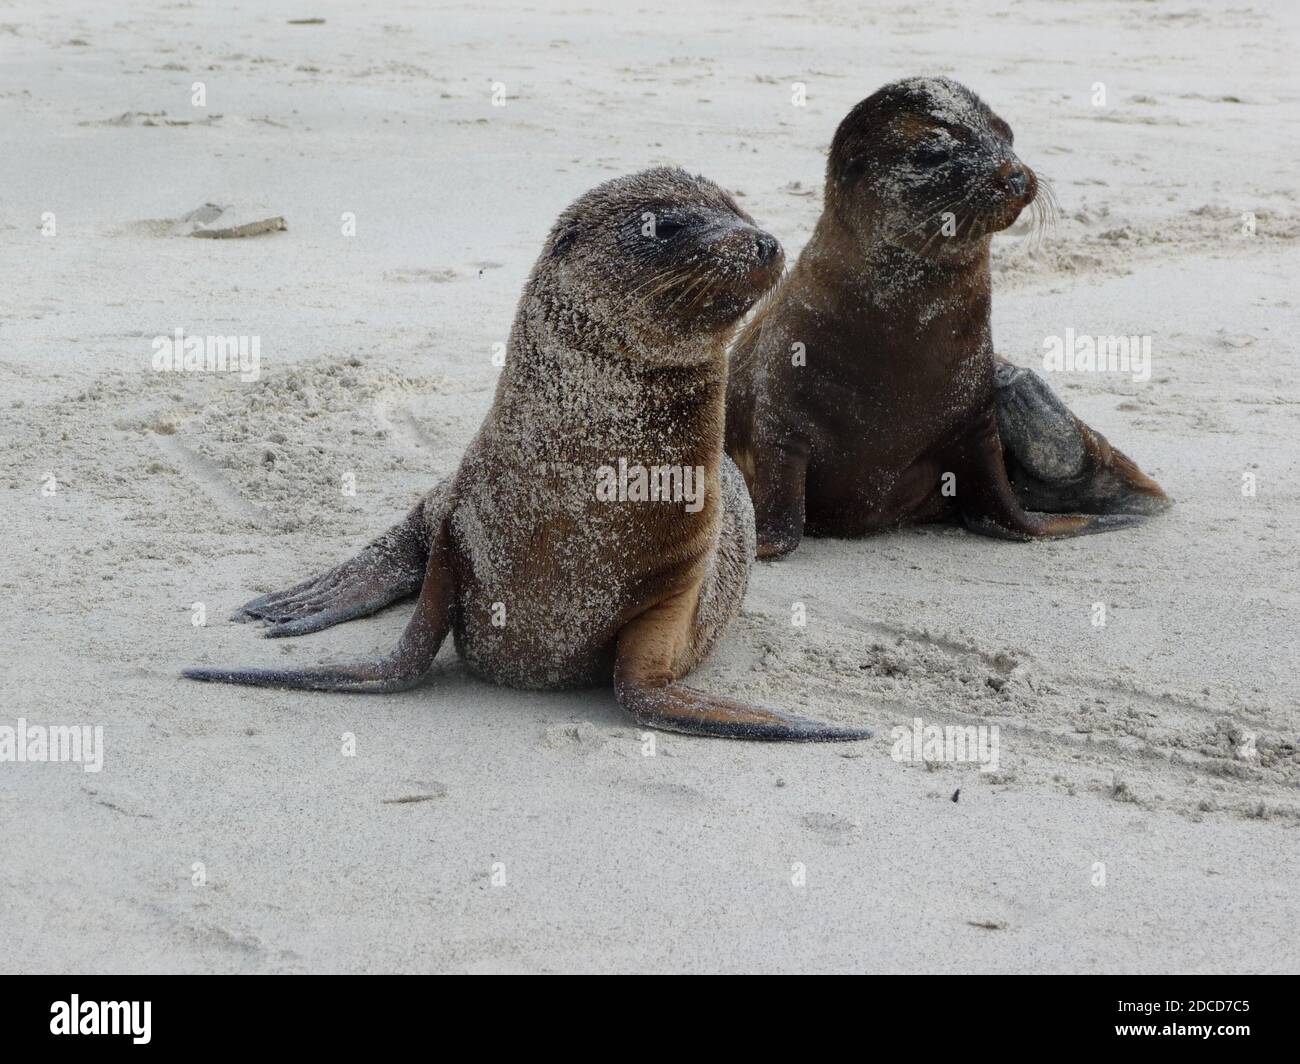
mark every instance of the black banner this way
{"type": "Point", "coordinates": [332, 1013]}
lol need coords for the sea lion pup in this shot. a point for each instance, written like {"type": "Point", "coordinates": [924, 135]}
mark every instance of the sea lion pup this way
{"type": "Point", "coordinates": [898, 385]}
{"type": "Point", "coordinates": [594, 529]}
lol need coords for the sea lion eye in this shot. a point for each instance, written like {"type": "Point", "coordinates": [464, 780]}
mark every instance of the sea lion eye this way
{"type": "Point", "coordinates": [563, 242]}
{"type": "Point", "coordinates": [667, 228]}
{"type": "Point", "coordinates": [931, 154]}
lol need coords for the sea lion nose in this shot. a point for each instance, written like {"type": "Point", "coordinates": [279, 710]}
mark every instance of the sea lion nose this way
{"type": "Point", "coordinates": [768, 247]}
{"type": "Point", "coordinates": [1018, 179]}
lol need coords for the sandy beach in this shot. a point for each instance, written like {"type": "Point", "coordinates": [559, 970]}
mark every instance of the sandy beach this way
{"type": "Point", "coordinates": [1144, 814]}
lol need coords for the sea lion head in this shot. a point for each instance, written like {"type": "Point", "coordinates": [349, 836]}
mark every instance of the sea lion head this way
{"type": "Point", "coordinates": [659, 263]}
{"type": "Point", "coordinates": [925, 165]}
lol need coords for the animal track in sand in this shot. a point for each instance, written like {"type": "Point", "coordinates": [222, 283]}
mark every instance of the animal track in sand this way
{"type": "Point", "coordinates": [399, 423]}
{"type": "Point", "coordinates": [420, 276]}
{"type": "Point", "coordinates": [209, 479]}
{"type": "Point", "coordinates": [1063, 728]}
{"type": "Point", "coordinates": [151, 118]}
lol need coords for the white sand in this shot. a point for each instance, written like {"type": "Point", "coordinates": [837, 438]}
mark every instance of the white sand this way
{"type": "Point", "coordinates": [1127, 745]}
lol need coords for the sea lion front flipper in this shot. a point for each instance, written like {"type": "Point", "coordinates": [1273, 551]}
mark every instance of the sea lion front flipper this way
{"type": "Point", "coordinates": [1056, 462]}
{"type": "Point", "coordinates": [387, 569]}
{"type": "Point", "coordinates": [778, 489]}
{"type": "Point", "coordinates": [989, 505]}
{"type": "Point", "coordinates": [647, 666]}
{"type": "Point", "coordinates": [398, 670]}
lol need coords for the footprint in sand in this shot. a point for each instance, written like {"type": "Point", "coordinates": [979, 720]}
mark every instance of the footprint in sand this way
{"type": "Point", "coordinates": [834, 829]}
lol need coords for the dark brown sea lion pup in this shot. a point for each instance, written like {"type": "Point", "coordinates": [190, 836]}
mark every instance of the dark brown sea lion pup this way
{"type": "Point", "coordinates": [617, 361]}
{"type": "Point", "coordinates": [866, 393]}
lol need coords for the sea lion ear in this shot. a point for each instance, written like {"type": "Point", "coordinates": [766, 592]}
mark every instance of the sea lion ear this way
{"type": "Point", "coordinates": [564, 241]}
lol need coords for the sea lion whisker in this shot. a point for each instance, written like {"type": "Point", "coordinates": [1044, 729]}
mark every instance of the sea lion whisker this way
{"type": "Point", "coordinates": [667, 283]}
{"type": "Point", "coordinates": [706, 294]}
{"type": "Point", "coordinates": [1047, 192]}
{"type": "Point", "coordinates": [667, 280]}
{"type": "Point", "coordinates": [954, 208]}
{"type": "Point", "coordinates": [1044, 220]}
{"type": "Point", "coordinates": [670, 274]}
{"type": "Point", "coordinates": [698, 281]}
{"type": "Point", "coordinates": [687, 302]}
{"type": "Point", "coordinates": [937, 213]}
{"type": "Point", "coordinates": [1047, 210]}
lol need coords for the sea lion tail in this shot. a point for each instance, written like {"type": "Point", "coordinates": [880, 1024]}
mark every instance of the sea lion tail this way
{"type": "Point", "coordinates": [399, 670]}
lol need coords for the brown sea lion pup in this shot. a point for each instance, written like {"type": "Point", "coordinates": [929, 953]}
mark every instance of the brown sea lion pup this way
{"type": "Point", "coordinates": [865, 392]}
{"type": "Point", "coordinates": [594, 529]}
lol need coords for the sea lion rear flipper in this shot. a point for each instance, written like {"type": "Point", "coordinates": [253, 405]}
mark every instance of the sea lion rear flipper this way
{"type": "Point", "coordinates": [1048, 525]}
{"type": "Point", "coordinates": [1059, 464]}
{"type": "Point", "coordinates": [388, 569]}
{"type": "Point", "coordinates": [989, 505]}
{"type": "Point", "coordinates": [399, 670]}
{"type": "Point", "coordinates": [645, 673]}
